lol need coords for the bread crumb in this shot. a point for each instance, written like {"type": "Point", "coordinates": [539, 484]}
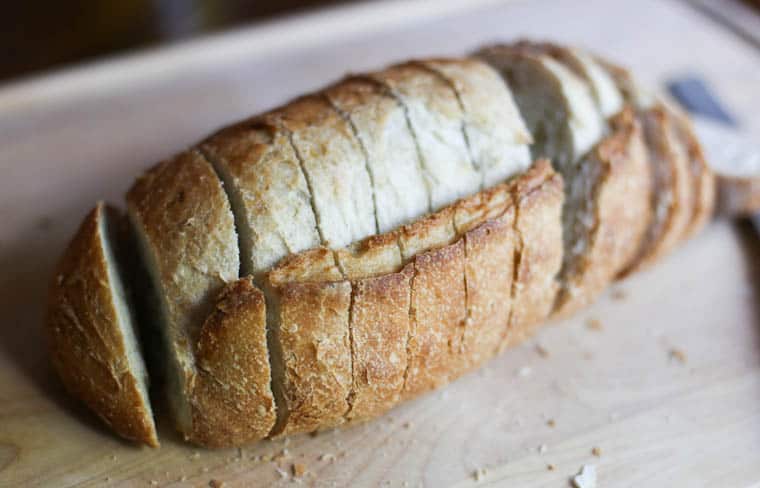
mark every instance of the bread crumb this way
{"type": "Point", "coordinates": [407, 425]}
{"type": "Point", "coordinates": [265, 457]}
{"type": "Point", "coordinates": [594, 324]}
{"type": "Point", "coordinates": [183, 478]}
{"type": "Point", "coordinates": [678, 355]}
{"type": "Point", "coordinates": [153, 483]}
{"type": "Point", "coordinates": [204, 469]}
{"type": "Point", "coordinates": [619, 294]}
{"type": "Point", "coordinates": [550, 467]}
{"type": "Point", "coordinates": [281, 456]}
{"type": "Point", "coordinates": [299, 469]}
{"type": "Point", "coordinates": [113, 457]}
{"type": "Point", "coordinates": [480, 474]}
{"type": "Point", "coordinates": [326, 457]}
{"type": "Point", "coordinates": [586, 478]}
{"type": "Point", "coordinates": [596, 451]}
{"type": "Point", "coordinates": [551, 423]}
{"type": "Point", "coordinates": [195, 455]}
{"type": "Point", "coordinates": [216, 484]}
{"type": "Point", "coordinates": [542, 449]}
{"type": "Point", "coordinates": [524, 371]}
{"type": "Point", "coordinates": [542, 351]}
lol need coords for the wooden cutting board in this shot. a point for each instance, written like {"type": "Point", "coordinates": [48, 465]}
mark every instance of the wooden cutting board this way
{"type": "Point", "coordinates": [662, 375]}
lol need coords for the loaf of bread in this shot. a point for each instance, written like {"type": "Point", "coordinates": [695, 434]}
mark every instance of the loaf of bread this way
{"type": "Point", "coordinates": [320, 263]}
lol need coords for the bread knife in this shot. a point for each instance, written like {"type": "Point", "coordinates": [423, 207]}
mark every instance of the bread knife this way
{"type": "Point", "coordinates": [728, 149]}
{"type": "Point", "coordinates": [717, 130]}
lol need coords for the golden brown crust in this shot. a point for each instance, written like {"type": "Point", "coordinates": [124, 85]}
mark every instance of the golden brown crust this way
{"type": "Point", "coordinates": [538, 196]}
{"type": "Point", "coordinates": [373, 256]}
{"type": "Point", "coordinates": [703, 178]}
{"type": "Point", "coordinates": [87, 345]}
{"type": "Point", "coordinates": [311, 321]}
{"type": "Point", "coordinates": [232, 401]}
{"type": "Point", "coordinates": [619, 174]}
{"type": "Point", "coordinates": [489, 270]}
{"type": "Point", "coordinates": [379, 330]}
{"type": "Point", "coordinates": [437, 319]}
{"type": "Point", "coordinates": [435, 230]}
{"type": "Point", "coordinates": [673, 191]}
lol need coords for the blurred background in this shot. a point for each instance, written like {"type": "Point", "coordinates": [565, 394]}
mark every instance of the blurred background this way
{"type": "Point", "coordinates": [44, 34]}
{"type": "Point", "coordinates": [39, 35]}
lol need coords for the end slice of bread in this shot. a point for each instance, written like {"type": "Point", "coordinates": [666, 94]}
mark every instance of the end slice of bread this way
{"type": "Point", "coordinates": [93, 331]}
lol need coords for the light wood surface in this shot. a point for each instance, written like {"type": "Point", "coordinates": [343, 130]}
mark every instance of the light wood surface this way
{"type": "Point", "coordinates": [668, 389]}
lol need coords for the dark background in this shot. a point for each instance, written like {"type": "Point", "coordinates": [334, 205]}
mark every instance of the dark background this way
{"type": "Point", "coordinates": [42, 34]}
{"type": "Point", "coordinates": [37, 35]}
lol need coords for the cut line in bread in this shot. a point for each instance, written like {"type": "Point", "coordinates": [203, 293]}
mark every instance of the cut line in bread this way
{"type": "Point", "coordinates": [380, 125]}
{"type": "Point", "coordinates": [596, 228]}
{"type": "Point", "coordinates": [335, 169]}
{"type": "Point", "coordinates": [557, 105]}
{"type": "Point", "coordinates": [269, 193]}
{"type": "Point", "coordinates": [187, 240]}
{"type": "Point", "coordinates": [435, 119]}
{"type": "Point", "coordinates": [702, 176]}
{"type": "Point", "coordinates": [613, 187]}
{"type": "Point", "coordinates": [494, 129]}
{"type": "Point", "coordinates": [538, 197]}
{"type": "Point", "coordinates": [608, 98]}
{"type": "Point", "coordinates": [234, 374]}
{"type": "Point", "coordinates": [682, 183]}
{"type": "Point", "coordinates": [672, 193]}
{"type": "Point", "coordinates": [93, 330]}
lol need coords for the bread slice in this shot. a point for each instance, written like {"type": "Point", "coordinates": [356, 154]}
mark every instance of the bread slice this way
{"type": "Point", "coordinates": [557, 105]}
{"type": "Point", "coordinates": [435, 119]}
{"type": "Point", "coordinates": [379, 330]}
{"type": "Point", "coordinates": [232, 400]}
{"type": "Point", "coordinates": [538, 198]}
{"type": "Point", "coordinates": [607, 188]}
{"type": "Point", "coordinates": [308, 319]}
{"type": "Point", "coordinates": [335, 169]}
{"type": "Point", "coordinates": [679, 195]}
{"type": "Point", "coordinates": [495, 131]}
{"type": "Point", "coordinates": [702, 176]}
{"type": "Point", "coordinates": [608, 98]}
{"type": "Point", "coordinates": [268, 191]}
{"type": "Point", "coordinates": [673, 190]}
{"type": "Point", "coordinates": [93, 334]}
{"type": "Point", "coordinates": [490, 248]}
{"type": "Point", "coordinates": [378, 121]}
{"type": "Point", "coordinates": [611, 198]}
{"type": "Point", "coordinates": [187, 240]}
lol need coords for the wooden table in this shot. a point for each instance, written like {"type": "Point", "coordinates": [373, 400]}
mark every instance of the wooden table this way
{"type": "Point", "coordinates": [668, 389]}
